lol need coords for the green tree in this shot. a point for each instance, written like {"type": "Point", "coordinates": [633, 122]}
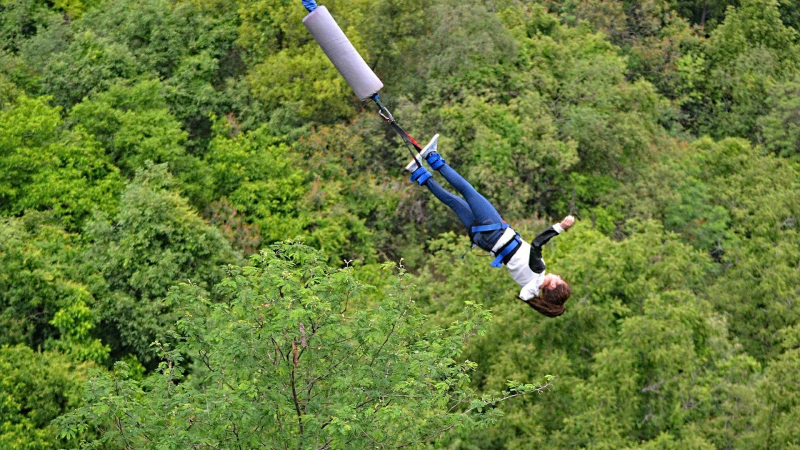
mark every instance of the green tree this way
{"type": "Point", "coordinates": [8, 91]}
{"type": "Point", "coordinates": [233, 226]}
{"type": "Point", "coordinates": [298, 355]}
{"type": "Point", "coordinates": [45, 167]}
{"type": "Point", "coordinates": [641, 358]}
{"type": "Point", "coordinates": [266, 180]}
{"type": "Point", "coordinates": [777, 423]}
{"type": "Point", "coordinates": [155, 240]}
{"type": "Point", "coordinates": [89, 64]}
{"type": "Point", "coordinates": [134, 125]}
{"type": "Point", "coordinates": [675, 190]}
{"type": "Point", "coordinates": [758, 286]}
{"type": "Point", "coordinates": [260, 176]}
{"type": "Point", "coordinates": [302, 83]}
{"type": "Point", "coordinates": [42, 301]}
{"type": "Point", "coordinates": [567, 115]}
{"type": "Point", "coordinates": [189, 45]}
{"type": "Point", "coordinates": [705, 13]}
{"type": "Point", "coordinates": [745, 57]}
{"type": "Point", "coordinates": [355, 188]}
{"type": "Point", "coordinates": [780, 128]}
{"type": "Point", "coordinates": [739, 205]}
{"type": "Point", "coordinates": [20, 20]}
{"type": "Point", "coordinates": [290, 75]}
{"type": "Point", "coordinates": [762, 411]}
{"type": "Point", "coordinates": [35, 388]}
{"type": "Point", "coordinates": [790, 13]}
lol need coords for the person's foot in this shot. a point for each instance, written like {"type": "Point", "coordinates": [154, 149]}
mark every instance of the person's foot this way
{"type": "Point", "coordinates": [427, 150]}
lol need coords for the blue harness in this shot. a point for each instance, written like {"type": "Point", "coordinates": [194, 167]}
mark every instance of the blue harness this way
{"type": "Point", "coordinates": [507, 249]}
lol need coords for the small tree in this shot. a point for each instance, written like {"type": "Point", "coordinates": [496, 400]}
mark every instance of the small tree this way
{"type": "Point", "coordinates": [298, 355]}
{"type": "Point", "coordinates": [155, 241]}
{"type": "Point", "coordinates": [35, 388]}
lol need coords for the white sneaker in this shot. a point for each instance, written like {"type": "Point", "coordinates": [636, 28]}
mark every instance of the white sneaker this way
{"type": "Point", "coordinates": [428, 149]}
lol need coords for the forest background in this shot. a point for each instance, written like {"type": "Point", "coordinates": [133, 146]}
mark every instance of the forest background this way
{"type": "Point", "coordinates": [207, 242]}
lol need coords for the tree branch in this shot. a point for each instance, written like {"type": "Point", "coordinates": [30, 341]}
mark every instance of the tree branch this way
{"type": "Point", "coordinates": [391, 332]}
{"type": "Point", "coordinates": [296, 405]}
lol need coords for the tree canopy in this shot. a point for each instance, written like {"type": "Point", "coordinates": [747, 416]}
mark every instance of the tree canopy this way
{"type": "Point", "coordinates": [207, 241]}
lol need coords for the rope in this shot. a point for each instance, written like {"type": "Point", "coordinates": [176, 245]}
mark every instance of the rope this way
{"type": "Point", "coordinates": [386, 115]}
{"type": "Point", "coordinates": [310, 5]}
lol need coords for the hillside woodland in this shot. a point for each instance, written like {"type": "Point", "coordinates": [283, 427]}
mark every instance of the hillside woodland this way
{"type": "Point", "coordinates": [207, 241]}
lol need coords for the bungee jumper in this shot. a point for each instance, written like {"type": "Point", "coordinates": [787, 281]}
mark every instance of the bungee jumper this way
{"type": "Point", "coordinates": [546, 293]}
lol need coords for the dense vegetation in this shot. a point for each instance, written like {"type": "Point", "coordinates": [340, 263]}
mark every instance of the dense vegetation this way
{"type": "Point", "coordinates": [207, 242]}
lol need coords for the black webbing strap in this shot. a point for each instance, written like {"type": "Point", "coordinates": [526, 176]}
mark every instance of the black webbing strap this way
{"type": "Point", "coordinates": [386, 115]}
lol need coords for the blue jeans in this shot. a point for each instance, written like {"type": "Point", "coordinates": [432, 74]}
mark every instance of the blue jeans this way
{"type": "Point", "coordinates": [476, 210]}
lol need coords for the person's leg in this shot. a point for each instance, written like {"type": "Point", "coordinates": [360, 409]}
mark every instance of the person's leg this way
{"type": "Point", "coordinates": [483, 210]}
{"type": "Point", "coordinates": [455, 203]}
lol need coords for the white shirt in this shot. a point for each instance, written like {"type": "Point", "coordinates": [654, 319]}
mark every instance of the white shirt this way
{"type": "Point", "coordinates": [518, 266]}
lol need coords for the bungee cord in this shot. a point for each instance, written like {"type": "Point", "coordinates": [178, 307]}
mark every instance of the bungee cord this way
{"type": "Point", "coordinates": [387, 116]}
{"type": "Point", "coordinates": [352, 67]}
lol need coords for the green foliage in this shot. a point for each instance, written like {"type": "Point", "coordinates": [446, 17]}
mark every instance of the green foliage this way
{"type": "Point", "coordinates": [233, 226]}
{"type": "Point", "coordinates": [706, 13]}
{"type": "Point", "coordinates": [731, 200]}
{"type": "Point", "coordinates": [264, 179]}
{"type": "Point", "coordinates": [155, 240]}
{"type": "Point", "coordinates": [89, 64]}
{"type": "Point", "coordinates": [193, 50]}
{"type": "Point", "coordinates": [291, 76]}
{"type": "Point", "coordinates": [780, 128]}
{"type": "Point", "coordinates": [682, 330]}
{"type": "Point", "coordinates": [134, 125]}
{"type": "Point", "coordinates": [190, 46]}
{"type": "Point", "coordinates": [35, 388]}
{"type": "Point", "coordinates": [513, 149]}
{"type": "Point", "coordinates": [41, 302]}
{"type": "Point", "coordinates": [653, 34]}
{"type": "Point", "coordinates": [790, 13]}
{"type": "Point", "coordinates": [347, 166]}
{"type": "Point", "coordinates": [745, 57]}
{"type": "Point", "coordinates": [676, 192]}
{"type": "Point", "coordinates": [76, 7]}
{"type": "Point", "coordinates": [21, 19]}
{"type": "Point", "coordinates": [45, 167]}
{"type": "Point", "coordinates": [296, 356]}
{"type": "Point", "coordinates": [273, 82]}
{"type": "Point", "coordinates": [8, 91]}
{"type": "Point", "coordinates": [148, 29]}
{"type": "Point", "coordinates": [520, 113]}
{"type": "Point", "coordinates": [259, 175]}
{"type": "Point", "coordinates": [641, 358]}
{"type": "Point", "coordinates": [569, 115]}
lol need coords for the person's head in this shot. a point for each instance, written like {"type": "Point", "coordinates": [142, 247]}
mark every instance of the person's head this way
{"type": "Point", "coordinates": [553, 293]}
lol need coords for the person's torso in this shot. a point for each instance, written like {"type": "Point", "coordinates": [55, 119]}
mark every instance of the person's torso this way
{"type": "Point", "coordinates": [523, 261]}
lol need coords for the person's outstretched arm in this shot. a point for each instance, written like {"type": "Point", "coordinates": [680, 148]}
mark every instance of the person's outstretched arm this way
{"type": "Point", "coordinates": [554, 230]}
{"type": "Point", "coordinates": [536, 263]}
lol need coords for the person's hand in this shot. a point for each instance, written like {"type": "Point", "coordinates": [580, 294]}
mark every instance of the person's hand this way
{"type": "Point", "coordinates": [567, 222]}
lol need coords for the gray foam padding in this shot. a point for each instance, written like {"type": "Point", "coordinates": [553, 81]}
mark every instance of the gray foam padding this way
{"type": "Point", "coordinates": [342, 54]}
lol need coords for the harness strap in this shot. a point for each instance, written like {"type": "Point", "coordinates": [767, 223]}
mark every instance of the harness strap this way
{"type": "Point", "coordinates": [435, 161]}
{"type": "Point", "coordinates": [512, 244]}
{"type": "Point", "coordinates": [490, 227]}
{"type": "Point", "coordinates": [420, 175]}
